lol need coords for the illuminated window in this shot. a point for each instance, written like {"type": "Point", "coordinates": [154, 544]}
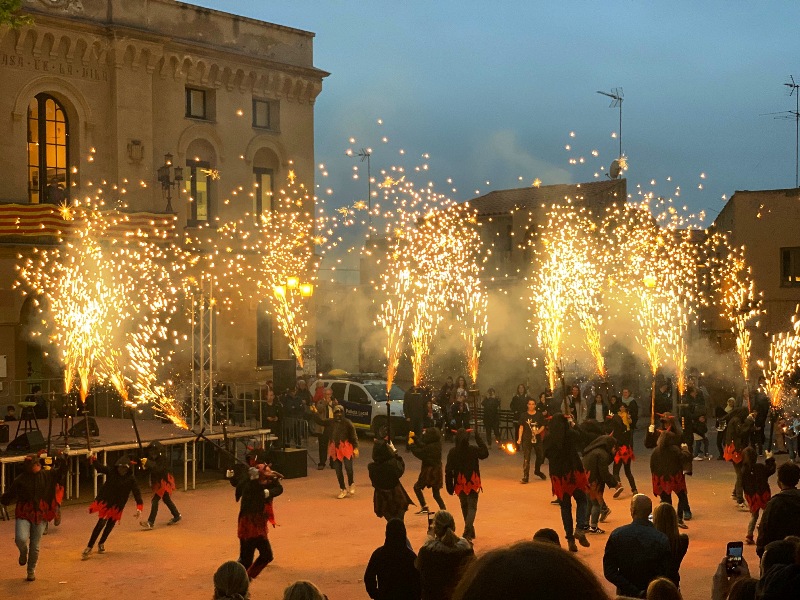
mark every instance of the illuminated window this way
{"type": "Point", "coordinates": [48, 151]}
{"type": "Point", "coordinates": [196, 104]}
{"type": "Point", "coordinates": [264, 190]}
{"type": "Point", "coordinates": [790, 267]}
{"type": "Point", "coordinates": [198, 186]}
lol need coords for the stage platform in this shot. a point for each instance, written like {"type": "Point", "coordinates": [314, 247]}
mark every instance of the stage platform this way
{"type": "Point", "coordinates": [118, 435]}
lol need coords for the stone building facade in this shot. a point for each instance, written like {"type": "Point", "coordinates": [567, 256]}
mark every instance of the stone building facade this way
{"type": "Point", "coordinates": [767, 224]}
{"type": "Point", "coordinates": [96, 94]}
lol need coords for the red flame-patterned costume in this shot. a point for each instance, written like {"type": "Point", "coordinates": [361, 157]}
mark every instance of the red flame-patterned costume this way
{"type": "Point", "coordinates": [35, 493]}
{"type": "Point", "coordinates": [343, 440]}
{"type": "Point", "coordinates": [667, 464]}
{"type": "Point", "coordinates": [462, 476]}
{"type": "Point", "coordinates": [755, 482]}
{"type": "Point", "coordinates": [114, 493]}
{"type": "Point", "coordinates": [256, 514]}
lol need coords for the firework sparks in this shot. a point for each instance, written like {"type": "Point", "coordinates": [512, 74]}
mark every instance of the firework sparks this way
{"type": "Point", "coordinates": [265, 259]}
{"type": "Point", "coordinates": [97, 288]}
{"type": "Point", "coordinates": [784, 359]}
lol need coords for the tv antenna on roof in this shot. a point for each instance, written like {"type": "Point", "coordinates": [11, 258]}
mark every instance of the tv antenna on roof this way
{"type": "Point", "coordinates": [794, 115]}
{"type": "Point", "coordinates": [616, 96]}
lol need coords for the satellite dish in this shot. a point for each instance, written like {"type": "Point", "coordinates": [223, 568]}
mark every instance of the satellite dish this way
{"type": "Point", "coordinates": [615, 169]}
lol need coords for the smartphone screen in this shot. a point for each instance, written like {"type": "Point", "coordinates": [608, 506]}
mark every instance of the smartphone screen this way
{"type": "Point", "coordinates": [734, 555]}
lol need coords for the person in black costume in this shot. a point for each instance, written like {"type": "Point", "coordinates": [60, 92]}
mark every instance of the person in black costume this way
{"type": "Point", "coordinates": [256, 488]}
{"type": "Point", "coordinates": [568, 478]}
{"type": "Point", "coordinates": [491, 417]}
{"type": "Point", "coordinates": [428, 448]}
{"type": "Point", "coordinates": [111, 499]}
{"type": "Point", "coordinates": [389, 499]}
{"type": "Point", "coordinates": [162, 482]}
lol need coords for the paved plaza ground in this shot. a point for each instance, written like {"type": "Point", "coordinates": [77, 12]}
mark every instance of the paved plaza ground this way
{"type": "Point", "coordinates": [329, 541]}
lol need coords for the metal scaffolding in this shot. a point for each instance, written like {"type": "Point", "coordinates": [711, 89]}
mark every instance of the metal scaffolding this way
{"type": "Point", "coordinates": [203, 351]}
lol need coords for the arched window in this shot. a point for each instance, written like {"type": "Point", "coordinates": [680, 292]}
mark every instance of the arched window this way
{"type": "Point", "coordinates": [48, 151]}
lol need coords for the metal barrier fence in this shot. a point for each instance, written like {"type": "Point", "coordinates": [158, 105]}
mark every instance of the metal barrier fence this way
{"type": "Point", "coordinates": [235, 403]}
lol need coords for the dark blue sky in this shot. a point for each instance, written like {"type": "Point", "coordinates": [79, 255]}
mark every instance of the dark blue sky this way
{"type": "Point", "coordinates": [493, 92]}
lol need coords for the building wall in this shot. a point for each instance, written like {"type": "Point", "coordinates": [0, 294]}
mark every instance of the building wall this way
{"type": "Point", "coordinates": [764, 222]}
{"type": "Point", "coordinates": [120, 68]}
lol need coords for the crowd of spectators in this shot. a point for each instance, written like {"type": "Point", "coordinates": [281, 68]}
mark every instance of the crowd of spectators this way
{"type": "Point", "coordinates": [642, 559]}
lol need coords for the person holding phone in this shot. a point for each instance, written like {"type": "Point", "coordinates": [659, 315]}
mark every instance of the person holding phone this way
{"type": "Point", "coordinates": [729, 575]}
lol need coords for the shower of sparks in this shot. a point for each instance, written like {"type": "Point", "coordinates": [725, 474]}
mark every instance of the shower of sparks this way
{"type": "Point", "coordinates": [108, 299]}
{"type": "Point", "coordinates": [429, 261]}
{"type": "Point", "coordinates": [473, 317]}
{"type": "Point", "coordinates": [394, 316]}
{"type": "Point", "coordinates": [739, 302]}
{"type": "Point", "coordinates": [267, 258]}
{"type": "Point", "coordinates": [784, 360]}
{"type": "Point", "coordinates": [564, 280]}
{"type": "Point", "coordinates": [657, 269]}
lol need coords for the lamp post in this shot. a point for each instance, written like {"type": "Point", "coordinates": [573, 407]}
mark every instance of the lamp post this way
{"type": "Point", "coordinates": [169, 177]}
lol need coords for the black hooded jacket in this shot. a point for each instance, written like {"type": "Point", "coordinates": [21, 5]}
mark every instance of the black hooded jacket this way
{"type": "Point", "coordinates": [597, 457]}
{"type": "Point", "coordinates": [668, 457]}
{"type": "Point", "coordinates": [429, 448]}
{"type": "Point", "coordinates": [738, 429]}
{"type": "Point", "coordinates": [35, 493]}
{"type": "Point", "coordinates": [464, 459]}
{"type": "Point", "coordinates": [386, 468]}
{"type": "Point", "coordinates": [561, 447]}
{"type": "Point", "coordinates": [390, 573]}
{"type": "Point", "coordinates": [115, 492]}
{"type": "Point", "coordinates": [157, 463]}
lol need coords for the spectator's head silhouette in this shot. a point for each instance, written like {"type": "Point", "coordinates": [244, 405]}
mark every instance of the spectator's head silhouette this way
{"type": "Point", "coordinates": [641, 507]}
{"type": "Point", "coordinates": [662, 588]}
{"type": "Point", "coordinates": [529, 570]}
{"type": "Point", "coordinates": [303, 590]}
{"type": "Point", "coordinates": [547, 535]}
{"type": "Point", "coordinates": [788, 475]}
{"type": "Point", "coordinates": [231, 582]}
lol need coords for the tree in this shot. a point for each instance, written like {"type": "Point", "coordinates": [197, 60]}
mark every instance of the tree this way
{"type": "Point", "coordinates": [11, 14]}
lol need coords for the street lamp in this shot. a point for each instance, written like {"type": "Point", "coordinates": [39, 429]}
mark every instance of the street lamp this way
{"type": "Point", "coordinates": [169, 177]}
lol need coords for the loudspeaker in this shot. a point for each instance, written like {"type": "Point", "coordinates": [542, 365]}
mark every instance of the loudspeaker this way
{"type": "Point", "coordinates": [30, 441]}
{"type": "Point", "coordinates": [79, 429]}
{"type": "Point", "coordinates": [284, 375]}
{"type": "Point", "coordinates": [290, 462]}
